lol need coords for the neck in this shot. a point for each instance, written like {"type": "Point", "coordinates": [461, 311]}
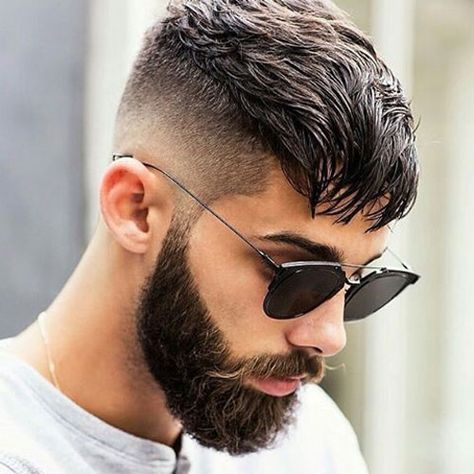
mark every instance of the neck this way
{"type": "Point", "coordinates": [91, 337]}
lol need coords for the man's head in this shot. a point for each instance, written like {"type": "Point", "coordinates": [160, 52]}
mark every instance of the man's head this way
{"type": "Point", "coordinates": [280, 115]}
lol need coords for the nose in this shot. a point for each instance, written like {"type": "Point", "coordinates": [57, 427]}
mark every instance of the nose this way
{"type": "Point", "coordinates": [322, 329]}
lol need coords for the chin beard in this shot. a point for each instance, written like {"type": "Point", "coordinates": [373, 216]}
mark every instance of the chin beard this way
{"type": "Point", "coordinates": [188, 357]}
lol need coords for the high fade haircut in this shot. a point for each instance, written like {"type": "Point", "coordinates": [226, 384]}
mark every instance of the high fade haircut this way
{"type": "Point", "coordinates": [242, 85]}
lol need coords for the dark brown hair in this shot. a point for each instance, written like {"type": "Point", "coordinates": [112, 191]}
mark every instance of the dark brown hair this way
{"type": "Point", "coordinates": [239, 80]}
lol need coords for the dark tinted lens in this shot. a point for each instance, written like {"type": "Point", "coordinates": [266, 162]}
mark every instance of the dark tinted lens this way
{"type": "Point", "coordinates": [372, 295]}
{"type": "Point", "coordinates": [298, 291]}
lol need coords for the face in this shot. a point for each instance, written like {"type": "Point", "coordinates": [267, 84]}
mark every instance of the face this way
{"type": "Point", "coordinates": [228, 371]}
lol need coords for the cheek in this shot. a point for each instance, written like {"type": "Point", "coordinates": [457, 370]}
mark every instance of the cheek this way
{"type": "Point", "coordinates": [233, 287]}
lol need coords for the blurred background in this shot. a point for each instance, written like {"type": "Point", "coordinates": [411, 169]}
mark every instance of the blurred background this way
{"type": "Point", "coordinates": [405, 379]}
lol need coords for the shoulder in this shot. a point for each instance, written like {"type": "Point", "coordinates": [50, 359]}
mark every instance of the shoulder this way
{"type": "Point", "coordinates": [22, 420]}
{"type": "Point", "coordinates": [20, 452]}
{"type": "Point", "coordinates": [4, 469]}
{"type": "Point", "coordinates": [321, 421]}
{"type": "Point", "coordinates": [16, 465]}
{"type": "Point", "coordinates": [318, 408]}
{"type": "Point", "coordinates": [323, 430]}
{"type": "Point", "coordinates": [321, 441]}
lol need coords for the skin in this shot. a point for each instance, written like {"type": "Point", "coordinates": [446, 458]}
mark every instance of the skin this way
{"type": "Point", "coordinates": [89, 324]}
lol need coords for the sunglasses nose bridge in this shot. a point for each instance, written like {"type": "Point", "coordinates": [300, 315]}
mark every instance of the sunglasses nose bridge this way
{"type": "Point", "coordinates": [351, 282]}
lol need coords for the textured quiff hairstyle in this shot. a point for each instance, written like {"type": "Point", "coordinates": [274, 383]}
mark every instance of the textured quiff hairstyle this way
{"type": "Point", "coordinates": [235, 82]}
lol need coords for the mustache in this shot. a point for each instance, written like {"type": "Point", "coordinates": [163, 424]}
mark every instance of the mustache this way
{"type": "Point", "coordinates": [295, 364]}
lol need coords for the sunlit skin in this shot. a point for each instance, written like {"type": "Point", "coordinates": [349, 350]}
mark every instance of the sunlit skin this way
{"type": "Point", "coordinates": [90, 325]}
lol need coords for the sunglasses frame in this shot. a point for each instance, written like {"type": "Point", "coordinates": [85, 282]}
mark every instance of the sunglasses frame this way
{"type": "Point", "coordinates": [285, 270]}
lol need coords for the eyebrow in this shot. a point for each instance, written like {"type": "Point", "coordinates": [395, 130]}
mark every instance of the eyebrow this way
{"type": "Point", "coordinates": [324, 252]}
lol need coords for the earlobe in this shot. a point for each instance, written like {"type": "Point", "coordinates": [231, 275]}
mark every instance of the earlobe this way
{"type": "Point", "coordinates": [125, 197]}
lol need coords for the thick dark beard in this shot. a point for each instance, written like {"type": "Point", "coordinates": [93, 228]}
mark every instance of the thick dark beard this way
{"type": "Point", "coordinates": [189, 358]}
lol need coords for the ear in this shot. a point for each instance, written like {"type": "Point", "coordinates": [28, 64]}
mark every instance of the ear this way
{"type": "Point", "coordinates": [129, 201]}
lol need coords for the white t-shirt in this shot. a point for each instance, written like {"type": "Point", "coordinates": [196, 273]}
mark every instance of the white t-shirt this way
{"type": "Point", "coordinates": [44, 432]}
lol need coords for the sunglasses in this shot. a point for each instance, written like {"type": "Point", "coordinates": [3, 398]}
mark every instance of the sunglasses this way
{"type": "Point", "coordinates": [299, 287]}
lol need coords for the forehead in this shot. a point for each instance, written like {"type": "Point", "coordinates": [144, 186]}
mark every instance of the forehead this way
{"type": "Point", "coordinates": [280, 209]}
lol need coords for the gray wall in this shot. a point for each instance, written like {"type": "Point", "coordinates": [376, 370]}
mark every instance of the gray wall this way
{"type": "Point", "coordinates": [42, 46]}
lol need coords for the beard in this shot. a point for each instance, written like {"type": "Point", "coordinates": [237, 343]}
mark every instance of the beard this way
{"type": "Point", "coordinates": [189, 357]}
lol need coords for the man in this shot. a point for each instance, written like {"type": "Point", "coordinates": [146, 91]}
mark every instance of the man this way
{"type": "Point", "coordinates": [251, 135]}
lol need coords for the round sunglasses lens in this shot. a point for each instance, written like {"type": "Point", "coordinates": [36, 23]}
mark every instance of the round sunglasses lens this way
{"type": "Point", "coordinates": [301, 291]}
{"type": "Point", "coordinates": [372, 295]}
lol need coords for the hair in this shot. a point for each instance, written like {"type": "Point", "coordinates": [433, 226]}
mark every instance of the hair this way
{"type": "Point", "coordinates": [240, 85]}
